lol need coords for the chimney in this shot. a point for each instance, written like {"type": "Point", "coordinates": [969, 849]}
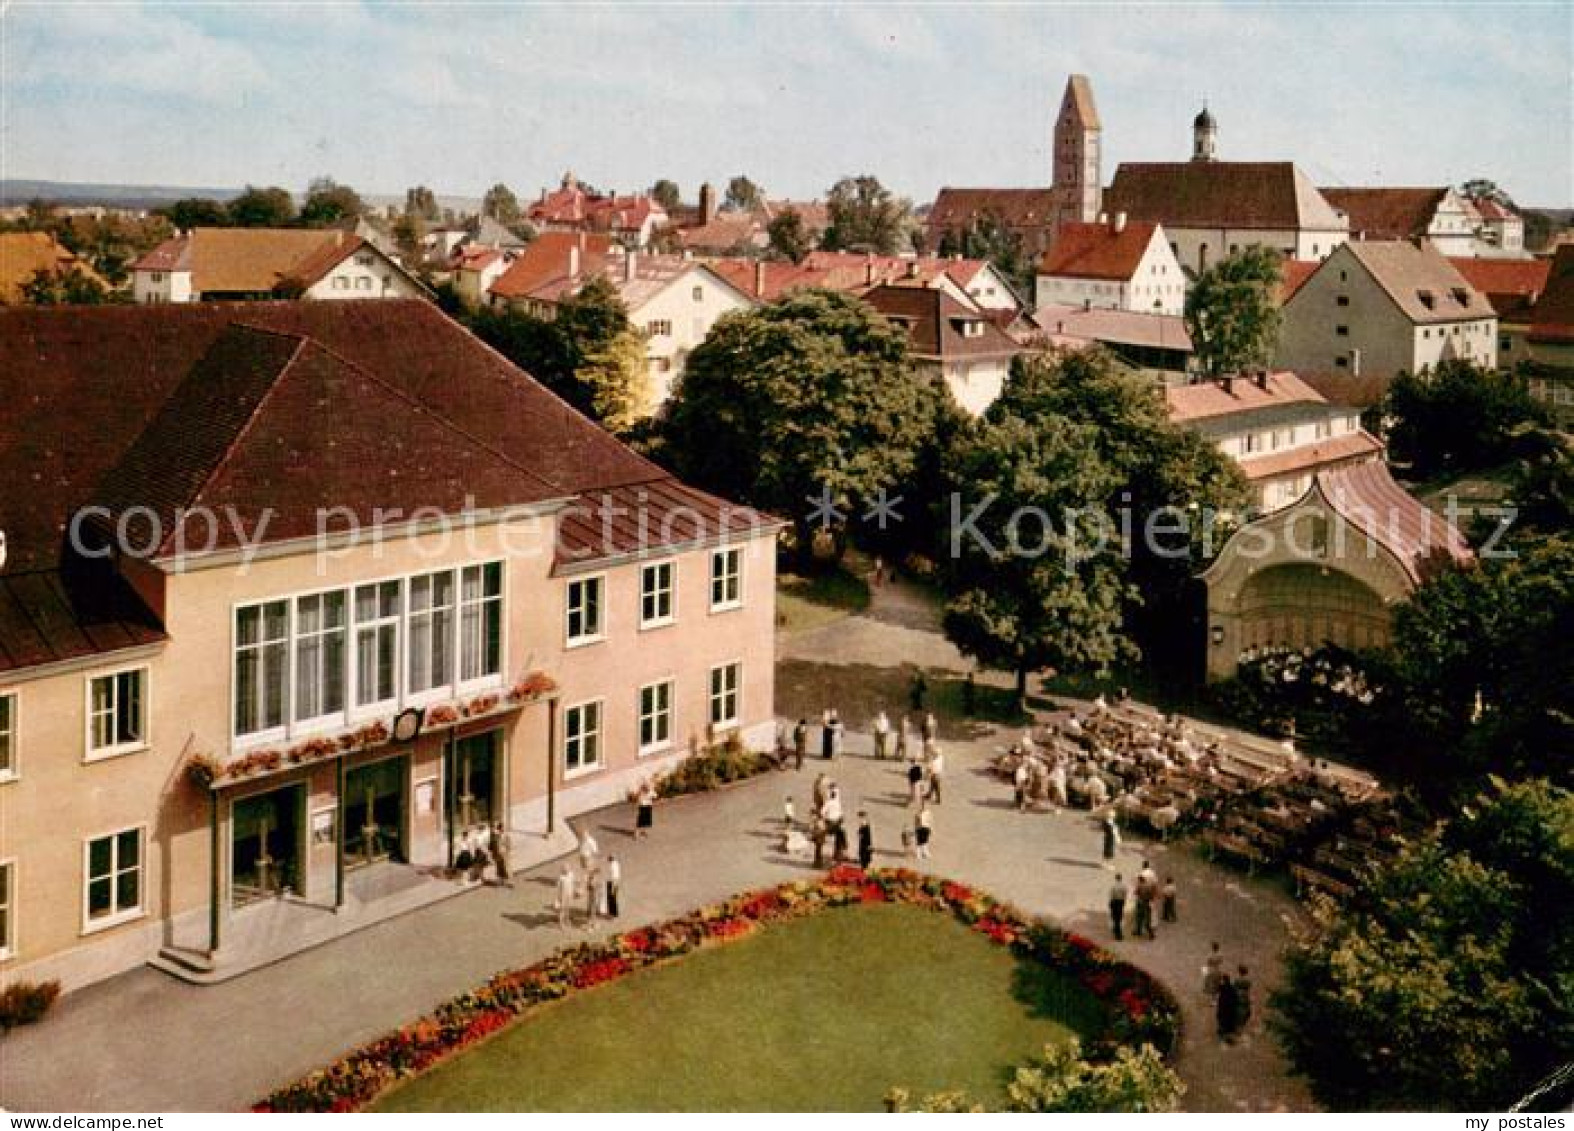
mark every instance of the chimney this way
{"type": "Point", "coordinates": [630, 265]}
{"type": "Point", "coordinates": [1087, 304]}
{"type": "Point", "coordinates": [707, 203]}
{"type": "Point", "coordinates": [1120, 221]}
{"type": "Point", "coordinates": [759, 278]}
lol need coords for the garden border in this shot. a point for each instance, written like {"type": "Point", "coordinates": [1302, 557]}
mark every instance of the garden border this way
{"type": "Point", "coordinates": [1138, 1008]}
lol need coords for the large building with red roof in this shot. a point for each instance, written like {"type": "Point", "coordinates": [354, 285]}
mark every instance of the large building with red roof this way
{"type": "Point", "coordinates": [230, 264]}
{"type": "Point", "coordinates": [299, 600]}
{"type": "Point", "coordinates": [1115, 264]}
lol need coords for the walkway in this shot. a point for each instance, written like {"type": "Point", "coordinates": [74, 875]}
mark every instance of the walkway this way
{"type": "Point", "coordinates": [143, 1041]}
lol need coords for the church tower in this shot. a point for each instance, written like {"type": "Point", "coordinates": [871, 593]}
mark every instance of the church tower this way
{"type": "Point", "coordinates": [1204, 137]}
{"type": "Point", "coordinates": [1078, 162]}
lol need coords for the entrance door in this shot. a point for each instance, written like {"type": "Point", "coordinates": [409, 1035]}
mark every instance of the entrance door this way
{"type": "Point", "coordinates": [265, 857]}
{"type": "Point", "coordinates": [374, 812]}
{"type": "Point", "coordinates": [473, 785]}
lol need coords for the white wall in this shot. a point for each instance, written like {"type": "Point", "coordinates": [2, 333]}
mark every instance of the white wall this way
{"type": "Point", "coordinates": [161, 286]}
{"type": "Point", "coordinates": [365, 274]}
{"type": "Point", "coordinates": [1189, 243]}
{"type": "Point", "coordinates": [677, 319]}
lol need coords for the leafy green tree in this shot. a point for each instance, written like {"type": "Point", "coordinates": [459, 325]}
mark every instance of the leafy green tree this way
{"type": "Point", "coordinates": [110, 242]}
{"type": "Point", "coordinates": [987, 237]}
{"type": "Point", "coordinates": [328, 202]}
{"type": "Point", "coordinates": [616, 378]}
{"type": "Point", "coordinates": [864, 216]}
{"type": "Point", "coordinates": [535, 345]}
{"type": "Point", "coordinates": [197, 212]}
{"type": "Point", "coordinates": [421, 202]}
{"type": "Point", "coordinates": [69, 287]}
{"type": "Point", "coordinates": [665, 193]}
{"type": "Point", "coordinates": [409, 232]}
{"type": "Point", "coordinates": [502, 205]}
{"type": "Point", "coordinates": [1061, 1080]}
{"type": "Point", "coordinates": [1035, 577]}
{"type": "Point", "coordinates": [1457, 416]}
{"type": "Point", "coordinates": [1446, 983]}
{"type": "Point", "coordinates": [1232, 311]}
{"type": "Point", "coordinates": [1480, 188]}
{"type": "Point", "coordinates": [743, 195]}
{"type": "Point", "coordinates": [271, 207]}
{"type": "Point", "coordinates": [789, 236]}
{"type": "Point", "coordinates": [808, 397]}
{"type": "Point", "coordinates": [1543, 486]}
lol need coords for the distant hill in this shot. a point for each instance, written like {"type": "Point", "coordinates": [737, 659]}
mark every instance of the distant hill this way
{"type": "Point", "coordinates": [13, 192]}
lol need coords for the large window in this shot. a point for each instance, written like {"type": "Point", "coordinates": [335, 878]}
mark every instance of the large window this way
{"type": "Point", "coordinates": [655, 716]}
{"type": "Point", "coordinates": [7, 908]}
{"type": "Point", "coordinates": [655, 594]}
{"type": "Point", "coordinates": [724, 694]}
{"type": "Point", "coordinates": [117, 712]}
{"type": "Point", "coordinates": [480, 621]}
{"type": "Point", "coordinates": [431, 631]}
{"type": "Point", "coordinates": [726, 578]}
{"type": "Point", "coordinates": [319, 656]}
{"type": "Point", "coordinates": [261, 666]}
{"type": "Point", "coordinates": [377, 613]}
{"type": "Point", "coordinates": [582, 738]}
{"type": "Point", "coordinates": [114, 877]}
{"type": "Point", "coordinates": [584, 610]}
{"type": "Point", "coordinates": [8, 728]}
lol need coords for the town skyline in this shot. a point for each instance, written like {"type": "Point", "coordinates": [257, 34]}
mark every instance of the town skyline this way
{"type": "Point", "coordinates": [623, 96]}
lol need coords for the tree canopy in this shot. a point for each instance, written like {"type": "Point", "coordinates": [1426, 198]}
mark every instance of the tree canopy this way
{"type": "Point", "coordinates": [1457, 416]}
{"type": "Point", "coordinates": [1232, 311]}
{"type": "Point", "coordinates": [328, 202]}
{"type": "Point", "coordinates": [864, 216]}
{"type": "Point", "coordinates": [666, 194]}
{"type": "Point", "coordinates": [421, 202]}
{"type": "Point", "coordinates": [1060, 1079]}
{"type": "Point", "coordinates": [197, 212]}
{"type": "Point", "coordinates": [987, 237]}
{"type": "Point", "coordinates": [812, 393]}
{"type": "Point", "coordinates": [271, 207]}
{"type": "Point", "coordinates": [789, 236]}
{"type": "Point", "coordinates": [501, 204]}
{"type": "Point", "coordinates": [1447, 983]}
{"type": "Point", "coordinates": [743, 195]}
{"type": "Point", "coordinates": [70, 286]}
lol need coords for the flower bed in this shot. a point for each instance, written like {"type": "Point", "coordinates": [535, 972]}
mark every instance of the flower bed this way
{"type": "Point", "coordinates": [1137, 1008]}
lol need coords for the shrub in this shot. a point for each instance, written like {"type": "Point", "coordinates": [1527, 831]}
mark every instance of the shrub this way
{"type": "Point", "coordinates": [22, 1003]}
{"type": "Point", "coordinates": [726, 761]}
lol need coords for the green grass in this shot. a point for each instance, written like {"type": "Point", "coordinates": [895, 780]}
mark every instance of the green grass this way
{"type": "Point", "coordinates": [804, 602]}
{"type": "Point", "coordinates": [824, 1013]}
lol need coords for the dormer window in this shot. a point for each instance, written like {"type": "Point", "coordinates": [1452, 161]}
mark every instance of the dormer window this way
{"type": "Point", "coordinates": [1428, 299]}
{"type": "Point", "coordinates": [970, 327]}
{"type": "Point", "coordinates": [1461, 296]}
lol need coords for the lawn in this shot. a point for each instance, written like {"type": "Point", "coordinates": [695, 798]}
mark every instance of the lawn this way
{"type": "Point", "coordinates": [804, 602]}
{"type": "Point", "coordinates": [823, 1013]}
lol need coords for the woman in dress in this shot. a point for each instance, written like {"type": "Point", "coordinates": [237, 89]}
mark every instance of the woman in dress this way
{"type": "Point", "coordinates": [646, 811]}
{"type": "Point", "coordinates": [923, 826]}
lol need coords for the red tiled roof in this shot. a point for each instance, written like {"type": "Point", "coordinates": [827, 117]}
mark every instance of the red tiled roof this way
{"type": "Point", "coordinates": [1338, 450]}
{"type": "Point", "coordinates": [619, 522]}
{"type": "Point", "coordinates": [1205, 399]}
{"type": "Point", "coordinates": [1350, 390]}
{"type": "Point", "coordinates": [1387, 213]}
{"type": "Point", "coordinates": [1098, 251]}
{"type": "Point", "coordinates": [1510, 285]}
{"type": "Point", "coordinates": [1071, 325]}
{"type": "Point", "coordinates": [1367, 497]}
{"type": "Point", "coordinates": [1552, 318]}
{"type": "Point", "coordinates": [934, 320]}
{"type": "Point", "coordinates": [548, 257]}
{"type": "Point", "coordinates": [1294, 273]}
{"type": "Point", "coordinates": [1025, 211]}
{"type": "Point", "coordinates": [49, 616]}
{"type": "Point", "coordinates": [1492, 210]}
{"type": "Point", "coordinates": [1220, 194]}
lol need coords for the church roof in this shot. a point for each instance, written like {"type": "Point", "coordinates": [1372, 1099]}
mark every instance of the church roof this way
{"type": "Point", "coordinates": [1079, 98]}
{"type": "Point", "coordinates": [1272, 195]}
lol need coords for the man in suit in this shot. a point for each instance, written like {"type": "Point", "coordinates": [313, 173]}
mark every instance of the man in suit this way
{"type": "Point", "coordinates": [1117, 906]}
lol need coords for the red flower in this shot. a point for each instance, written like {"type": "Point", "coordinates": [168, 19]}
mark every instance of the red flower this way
{"type": "Point", "coordinates": [873, 893]}
{"type": "Point", "coordinates": [956, 893]}
{"type": "Point", "coordinates": [1082, 942]}
{"type": "Point", "coordinates": [641, 940]}
{"type": "Point", "coordinates": [728, 928]}
{"type": "Point", "coordinates": [845, 874]}
{"type": "Point", "coordinates": [602, 970]}
{"type": "Point", "coordinates": [761, 906]}
{"type": "Point", "coordinates": [1136, 1007]}
{"type": "Point", "coordinates": [1100, 982]}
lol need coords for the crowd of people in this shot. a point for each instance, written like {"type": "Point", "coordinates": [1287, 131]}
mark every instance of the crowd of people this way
{"type": "Point", "coordinates": [595, 887]}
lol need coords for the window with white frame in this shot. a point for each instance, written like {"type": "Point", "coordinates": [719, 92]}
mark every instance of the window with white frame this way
{"type": "Point", "coordinates": [117, 712]}
{"type": "Point", "coordinates": [655, 594]}
{"type": "Point", "coordinates": [319, 655]}
{"type": "Point", "coordinates": [431, 631]}
{"type": "Point", "coordinates": [114, 877]}
{"type": "Point", "coordinates": [584, 610]}
{"type": "Point", "coordinates": [8, 728]}
{"type": "Point", "coordinates": [724, 694]}
{"type": "Point", "coordinates": [378, 608]}
{"type": "Point", "coordinates": [655, 716]}
{"type": "Point", "coordinates": [7, 908]}
{"type": "Point", "coordinates": [480, 621]}
{"type": "Point", "coordinates": [582, 737]}
{"type": "Point", "coordinates": [726, 578]}
{"type": "Point", "coordinates": [261, 666]}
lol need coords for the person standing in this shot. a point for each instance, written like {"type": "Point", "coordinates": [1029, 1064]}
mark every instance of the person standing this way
{"type": "Point", "coordinates": [1111, 836]}
{"type": "Point", "coordinates": [838, 841]}
{"type": "Point", "coordinates": [817, 836]}
{"type": "Point", "coordinates": [1019, 780]}
{"type": "Point", "coordinates": [882, 734]}
{"type": "Point", "coordinates": [592, 895]}
{"type": "Point", "coordinates": [903, 738]}
{"type": "Point", "coordinates": [589, 851]}
{"type": "Point", "coordinates": [827, 739]}
{"type": "Point", "coordinates": [936, 771]}
{"type": "Point", "coordinates": [821, 790]}
{"type": "Point", "coordinates": [1145, 895]}
{"type": "Point", "coordinates": [614, 885]}
{"type": "Point", "coordinates": [832, 809]}
{"type": "Point", "coordinates": [1226, 1009]}
{"type": "Point", "coordinates": [789, 813]}
{"type": "Point", "coordinates": [565, 895]}
{"type": "Point", "coordinates": [837, 728]}
{"type": "Point", "coordinates": [1169, 892]}
{"type": "Point", "coordinates": [931, 727]}
{"type": "Point", "coordinates": [865, 841]}
{"type": "Point", "coordinates": [1242, 983]}
{"type": "Point", "coordinates": [915, 782]}
{"type": "Point", "coordinates": [497, 845]}
{"type": "Point", "coordinates": [1117, 907]}
{"type": "Point", "coordinates": [918, 691]}
{"type": "Point", "coordinates": [647, 811]}
{"type": "Point", "coordinates": [800, 742]}
{"type": "Point", "coordinates": [923, 827]}
{"type": "Point", "coordinates": [1212, 972]}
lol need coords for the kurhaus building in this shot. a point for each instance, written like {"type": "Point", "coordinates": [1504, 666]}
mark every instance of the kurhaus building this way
{"type": "Point", "coordinates": [295, 596]}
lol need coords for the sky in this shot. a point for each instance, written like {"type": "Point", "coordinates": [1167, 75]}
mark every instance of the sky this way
{"type": "Point", "coordinates": [460, 96]}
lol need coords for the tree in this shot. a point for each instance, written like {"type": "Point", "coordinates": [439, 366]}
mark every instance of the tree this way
{"type": "Point", "coordinates": [501, 204]}
{"type": "Point", "coordinates": [1061, 1080]}
{"type": "Point", "coordinates": [62, 287]}
{"type": "Point", "coordinates": [789, 236]}
{"type": "Point", "coordinates": [864, 216]}
{"type": "Point", "coordinates": [1457, 416]}
{"type": "Point", "coordinates": [1232, 311]}
{"type": "Point", "coordinates": [808, 398]}
{"type": "Point", "coordinates": [665, 193]}
{"type": "Point", "coordinates": [743, 195]}
{"type": "Point", "coordinates": [1445, 984]}
{"type": "Point", "coordinates": [409, 232]}
{"type": "Point", "coordinates": [197, 212]}
{"type": "Point", "coordinates": [1480, 188]}
{"type": "Point", "coordinates": [617, 381]}
{"type": "Point", "coordinates": [534, 344]}
{"type": "Point", "coordinates": [987, 237]}
{"type": "Point", "coordinates": [262, 208]}
{"type": "Point", "coordinates": [328, 202]}
{"type": "Point", "coordinates": [421, 202]}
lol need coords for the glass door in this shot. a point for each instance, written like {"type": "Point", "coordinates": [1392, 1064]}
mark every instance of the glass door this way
{"type": "Point", "coordinates": [374, 816]}
{"type": "Point", "coordinates": [265, 857]}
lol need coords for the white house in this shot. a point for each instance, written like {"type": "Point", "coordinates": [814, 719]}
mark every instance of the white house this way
{"type": "Point", "coordinates": [1114, 265]}
{"type": "Point", "coordinates": [1439, 215]}
{"type": "Point", "coordinates": [950, 340]}
{"type": "Point", "coordinates": [207, 264]}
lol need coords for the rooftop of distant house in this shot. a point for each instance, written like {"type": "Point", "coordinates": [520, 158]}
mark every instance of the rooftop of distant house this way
{"type": "Point", "coordinates": [1110, 250]}
{"type": "Point", "coordinates": [1271, 195]}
